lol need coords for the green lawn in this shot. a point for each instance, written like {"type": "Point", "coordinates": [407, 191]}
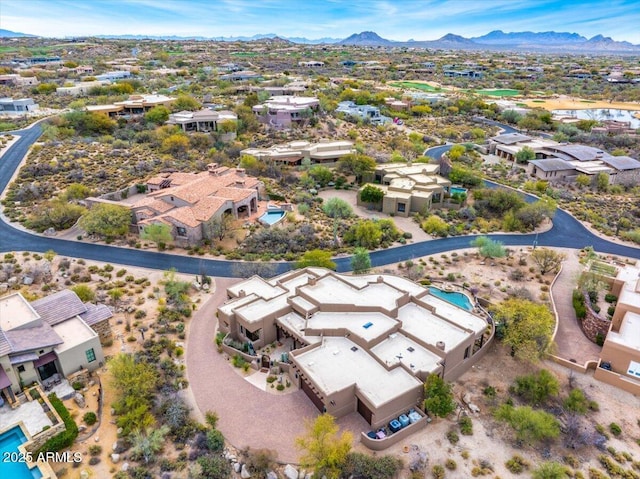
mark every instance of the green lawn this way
{"type": "Point", "coordinates": [499, 92]}
{"type": "Point", "coordinates": [417, 86]}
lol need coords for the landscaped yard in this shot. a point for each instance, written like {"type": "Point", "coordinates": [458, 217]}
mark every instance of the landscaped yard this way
{"type": "Point", "coordinates": [498, 92]}
{"type": "Point", "coordinates": [417, 86]}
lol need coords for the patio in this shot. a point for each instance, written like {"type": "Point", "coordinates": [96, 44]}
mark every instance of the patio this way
{"type": "Point", "coordinates": [30, 413]}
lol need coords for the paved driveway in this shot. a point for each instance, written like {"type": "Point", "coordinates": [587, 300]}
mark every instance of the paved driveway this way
{"type": "Point", "coordinates": [249, 417]}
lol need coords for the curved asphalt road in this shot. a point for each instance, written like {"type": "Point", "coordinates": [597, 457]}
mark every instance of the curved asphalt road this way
{"type": "Point", "coordinates": [566, 232]}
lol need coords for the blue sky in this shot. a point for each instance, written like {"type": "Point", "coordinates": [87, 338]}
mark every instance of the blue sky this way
{"type": "Point", "coordinates": [392, 19]}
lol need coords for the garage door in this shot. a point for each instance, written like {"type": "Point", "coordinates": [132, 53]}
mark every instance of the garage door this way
{"type": "Point", "coordinates": [312, 395]}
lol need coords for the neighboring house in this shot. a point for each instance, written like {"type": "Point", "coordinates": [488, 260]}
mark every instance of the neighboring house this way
{"type": "Point", "coordinates": [81, 88]}
{"type": "Point", "coordinates": [205, 120]}
{"type": "Point", "coordinates": [190, 202]}
{"type": "Point", "coordinates": [614, 127]}
{"type": "Point", "coordinates": [286, 111]}
{"type": "Point", "coordinates": [619, 363]}
{"type": "Point", "coordinates": [294, 152]}
{"type": "Point", "coordinates": [53, 60]}
{"type": "Point", "coordinates": [564, 162]}
{"type": "Point", "coordinates": [409, 188]}
{"type": "Point", "coordinates": [135, 105]}
{"type": "Point", "coordinates": [362, 343]}
{"type": "Point", "coordinates": [398, 105]}
{"type": "Point", "coordinates": [243, 75]}
{"type": "Point", "coordinates": [48, 339]}
{"type": "Point", "coordinates": [462, 73]}
{"type": "Point", "coordinates": [115, 75]}
{"type": "Point", "coordinates": [9, 106]}
{"type": "Point", "coordinates": [365, 112]}
{"type": "Point", "coordinates": [311, 64]}
{"type": "Point", "coordinates": [17, 80]}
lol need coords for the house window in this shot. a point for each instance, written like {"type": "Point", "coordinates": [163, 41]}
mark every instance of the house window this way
{"type": "Point", "coordinates": [21, 368]}
{"type": "Point", "coordinates": [181, 231]}
{"type": "Point", "coordinates": [172, 198]}
{"type": "Point", "coordinates": [253, 335]}
{"type": "Point", "coordinates": [401, 207]}
{"type": "Point", "coordinates": [91, 355]}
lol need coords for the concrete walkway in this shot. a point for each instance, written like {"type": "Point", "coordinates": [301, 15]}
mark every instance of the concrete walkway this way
{"type": "Point", "coordinates": [571, 343]}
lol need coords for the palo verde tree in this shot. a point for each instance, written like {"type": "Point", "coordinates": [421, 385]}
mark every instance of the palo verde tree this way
{"type": "Point", "coordinates": [371, 194]}
{"type": "Point", "coordinates": [360, 261]}
{"type": "Point", "coordinates": [159, 233]}
{"type": "Point", "coordinates": [357, 165]}
{"type": "Point", "coordinates": [323, 449]}
{"type": "Point", "coordinates": [106, 220]}
{"type": "Point", "coordinates": [438, 396]}
{"type": "Point", "coordinates": [525, 326]}
{"type": "Point", "coordinates": [317, 258]}
{"type": "Point", "coordinates": [489, 248]}
{"type": "Point", "coordinates": [547, 259]}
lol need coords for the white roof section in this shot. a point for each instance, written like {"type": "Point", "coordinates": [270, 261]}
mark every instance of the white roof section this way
{"type": "Point", "coordinates": [402, 284]}
{"type": "Point", "coordinates": [422, 323]}
{"type": "Point", "coordinates": [257, 286]}
{"type": "Point", "coordinates": [335, 366]}
{"type": "Point", "coordinates": [16, 312]}
{"type": "Point", "coordinates": [629, 334]}
{"type": "Point", "coordinates": [462, 318]}
{"type": "Point", "coordinates": [368, 326]}
{"type": "Point", "coordinates": [332, 290]}
{"type": "Point", "coordinates": [255, 311]}
{"type": "Point", "coordinates": [399, 349]}
{"type": "Point", "coordinates": [73, 332]}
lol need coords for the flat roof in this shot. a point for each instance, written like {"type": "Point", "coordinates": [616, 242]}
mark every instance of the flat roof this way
{"type": "Point", "coordinates": [398, 348]}
{"type": "Point", "coordinates": [401, 283]}
{"type": "Point", "coordinates": [73, 332]}
{"type": "Point", "coordinates": [16, 312]}
{"type": "Point", "coordinates": [335, 366]}
{"type": "Point", "coordinates": [256, 310]}
{"type": "Point", "coordinates": [367, 325]}
{"type": "Point", "coordinates": [459, 316]}
{"type": "Point", "coordinates": [258, 286]}
{"type": "Point", "coordinates": [629, 334]}
{"type": "Point", "coordinates": [423, 324]}
{"type": "Point", "coordinates": [332, 290]}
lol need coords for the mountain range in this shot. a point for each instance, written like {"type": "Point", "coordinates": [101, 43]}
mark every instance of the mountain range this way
{"type": "Point", "coordinates": [495, 40]}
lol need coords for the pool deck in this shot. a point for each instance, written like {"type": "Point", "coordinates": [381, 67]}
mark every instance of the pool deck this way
{"type": "Point", "coordinates": [31, 414]}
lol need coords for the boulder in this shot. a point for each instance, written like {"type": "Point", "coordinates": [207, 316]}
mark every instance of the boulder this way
{"type": "Point", "coordinates": [12, 281]}
{"type": "Point", "coordinates": [4, 287]}
{"type": "Point", "coordinates": [115, 458]}
{"type": "Point", "coordinates": [466, 398]}
{"type": "Point", "coordinates": [290, 472]}
{"type": "Point", "coordinates": [49, 232]}
{"type": "Point", "coordinates": [82, 428]}
{"type": "Point", "coordinates": [27, 280]}
{"type": "Point", "coordinates": [473, 408]}
{"type": "Point", "coordinates": [119, 431]}
{"type": "Point", "coordinates": [79, 399]}
{"type": "Point", "coordinates": [115, 446]}
{"type": "Point", "coordinates": [237, 467]}
{"type": "Point", "coordinates": [244, 472]}
{"type": "Point", "coordinates": [272, 475]}
{"type": "Point", "coordinates": [84, 474]}
{"type": "Point", "coordinates": [125, 467]}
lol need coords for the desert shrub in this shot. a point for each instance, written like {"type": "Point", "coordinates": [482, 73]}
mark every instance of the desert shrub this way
{"type": "Point", "coordinates": [358, 465]}
{"type": "Point", "coordinates": [536, 388]}
{"type": "Point", "coordinates": [578, 304]}
{"type": "Point", "coordinates": [517, 464]}
{"type": "Point", "coordinates": [549, 470]}
{"type": "Point", "coordinates": [95, 450]}
{"type": "Point", "coordinates": [615, 429]}
{"type": "Point", "coordinates": [90, 418]}
{"type": "Point", "coordinates": [437, 471]}
{"type": "Point", "coordinates": [610, 298]}
{"type": "Point", "coordinates": [453, 437]}
{"type": "Point", "coordinates": [450, 464]}
{"type": "Point", "coordinates": [215, 440]}
{"type": "Point", "coordinates": [466, 426]}
{"type": "Point", "coordinates": [576, 402]}
{"type": "Point", "coordinates": [260, 460]}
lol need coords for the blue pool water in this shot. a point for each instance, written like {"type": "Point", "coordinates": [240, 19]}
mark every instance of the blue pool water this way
{"type": "Point", "coordinates": [272, 217]}
{"type": "Point", "coordinates": [457, 189]}
{"type": "Point", "coordinates": [9, 442]}
{"type": "Point", "coordinates": [458, 299]}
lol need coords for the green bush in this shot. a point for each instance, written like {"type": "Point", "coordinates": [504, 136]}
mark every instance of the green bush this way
{"type": "Point", "coordinates": [536, 388]}
{"type": "Point", "coordinates": [578, 304]}
{"type": "Point", "coordinates": [363, 465]}
{"type": "Point", "coordinates": [576, 402]}
{"type": "Point", "coordinates": [66, 437]}
{"type": "Point", "coordinates": [610, 298]}
{"type": "Point", "coordinates": [466, 426]}
{"type": "Point", "coordinates": [615, 429]}
{"type": "Point", "coordinates": [437, 471]}
{"type": "Point", "coordinates": [453, 437]}
{"type": "Point", "coordinates": [90, 418]}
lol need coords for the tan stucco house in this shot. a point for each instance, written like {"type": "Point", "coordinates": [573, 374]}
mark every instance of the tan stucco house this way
{"type": "Point", "coordinates": [48, 339]}
{"type": "Point", "coordinates": [358, 343]}
{"type": "Point", "coordinates": [619, 363]}
{"type": "Point", "coordinates": [409, 188]}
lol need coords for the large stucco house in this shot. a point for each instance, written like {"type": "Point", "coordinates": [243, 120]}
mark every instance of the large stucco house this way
{"type": "Point", "coordinates": [561, 162]}
{"type": "Point", "coordinates": [48, 339]}
{"type": "Point", "coordinates": [620, 356]}
{"type": "Point", "coordinates": [205, 120]}
{"type": "Point", "coordinates": [409, 188]}
{"type": "Point", "coordinates": [286, 111]}
{"type": "Point", "coordinates": [358, 343]}
{"type": "Point", "coordinates": [294, 152]}
{"type": "Point", "coordinates": [190, 202]}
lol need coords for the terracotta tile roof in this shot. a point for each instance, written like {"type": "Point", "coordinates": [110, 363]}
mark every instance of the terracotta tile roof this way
{"type": "Point", "coordinates": [235, 194]}
{"type": "Point", "coordinates": [184, 215]}
{"type": "Point", "coordinates": [204, 209]}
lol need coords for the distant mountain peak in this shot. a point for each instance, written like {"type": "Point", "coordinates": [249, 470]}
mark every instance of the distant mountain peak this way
{"type": "Point", "coordinates": [365, 39]}
{"type": "Point", "coordinates": [10, 34]}
{"type": "Point", "coordinates": [453, 38]}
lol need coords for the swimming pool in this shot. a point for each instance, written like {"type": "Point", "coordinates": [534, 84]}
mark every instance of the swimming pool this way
{"type": "Point", "coordinates": [458, 189]}
{"type": "Point", "coordinates": [457, 299]}
{"type": "Point", "coordinates": [272, 217]}
{"type": "Point", "coordinates": [15, 469]}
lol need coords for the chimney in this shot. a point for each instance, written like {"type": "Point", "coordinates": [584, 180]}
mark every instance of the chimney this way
{"type": "Point", "coordinates": [440, 345]}
{"type": "Point", "coordinates": [312, 281]}
{"type": "Point", "coordinates": [211, 168]}
{"type": "Point", "coordinates": [241, 172]}
{"type": "Point", "coordinates": [242, 293]}
{"type": "Point", "coordinates": [379, 279]}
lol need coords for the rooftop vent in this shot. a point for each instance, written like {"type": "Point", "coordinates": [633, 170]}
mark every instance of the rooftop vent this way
{"type": "Point", "coordinates": [354, 348]}
{"type": "Point", "coordinates": [410, 349]}
{"type": "Point", "coordinates": [440, 345]}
